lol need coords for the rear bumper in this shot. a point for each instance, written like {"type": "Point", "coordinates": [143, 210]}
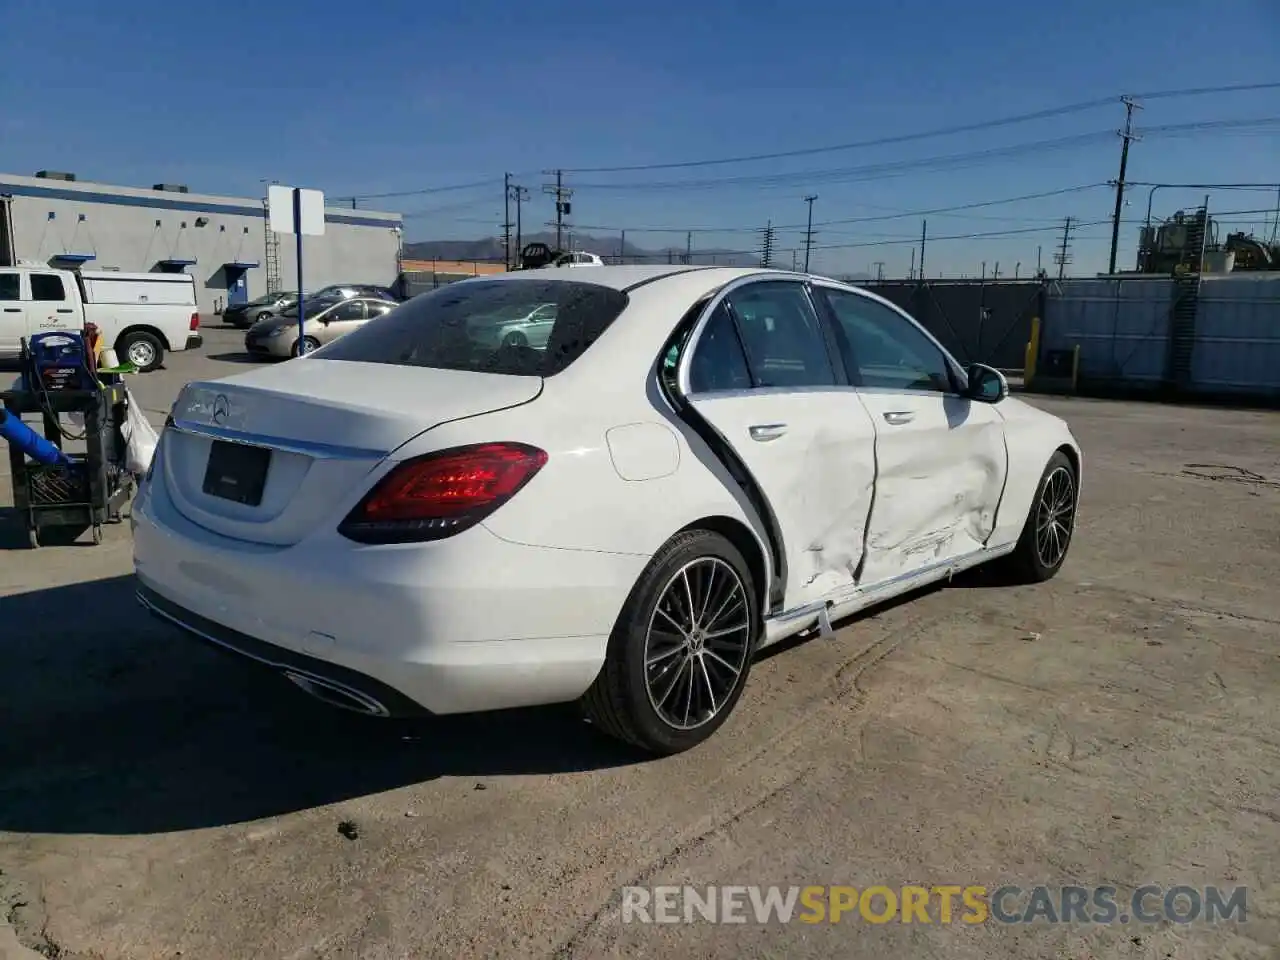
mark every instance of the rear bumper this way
{"type": "Point", "coordinates": [358, 690]}
{"type": "Point", "coordinates": [468, 624]}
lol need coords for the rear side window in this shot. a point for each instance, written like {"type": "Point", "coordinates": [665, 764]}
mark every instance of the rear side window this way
{"type": "Point", "coordinates": [518, 327]}
{"type": "Point", "coordinates": [46, 286]}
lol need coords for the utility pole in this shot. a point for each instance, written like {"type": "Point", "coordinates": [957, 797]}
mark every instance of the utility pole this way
{"type": "Point", "coordinates": [983, 275]}
{"type": "Point", "coordinates": [563, 207]}
{"type": "Point", "coordinates": [911, 273]}
{"type": "Point", "coordinates": [879, 265]}
{"type": "Point", "coordinates": [688, 248]}
{"type": "Point", "coordinates": [995, 274]}
{"type": "Point", "coordinates": [1126, 135]}
{"type": "Point", "coordinates": [1063, 256]}
{"type": "Point", "coordinates": [766, 245]}
{"type": "Point", "coordinates": [622, 248]}
{"type": "Point", "coordinates": [1039, 268]}
{"type": "Point", "coordinates": [506, 220]}
{"type": "Point", "coordinates": [519, 195]}
{"type": "Point", "coordinates": [924, 232]}
{"type": "Point", "coordinates": [808, 232]}
{"type": "Point", "coordinates": [1016, 267]}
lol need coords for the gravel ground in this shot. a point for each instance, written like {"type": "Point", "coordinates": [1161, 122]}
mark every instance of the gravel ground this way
{"type": "Point", "coordinates": [1116, 726]}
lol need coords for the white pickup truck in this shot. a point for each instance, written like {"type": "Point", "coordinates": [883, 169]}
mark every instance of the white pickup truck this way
{"type": "Point", "coordinates": [141, 315]}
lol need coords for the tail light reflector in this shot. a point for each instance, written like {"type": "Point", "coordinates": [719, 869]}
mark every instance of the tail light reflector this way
{"type": "Point", "coordinates": [442, 494]}
{"type": "Point", "coordinates": [195, 321]}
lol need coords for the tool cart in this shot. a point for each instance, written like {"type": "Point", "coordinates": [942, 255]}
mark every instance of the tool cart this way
{"type": "Point", "coordinates": [55, 489]}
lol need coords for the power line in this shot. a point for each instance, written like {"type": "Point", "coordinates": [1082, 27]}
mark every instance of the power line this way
{"type": "Point", "coordinates": [882, 170]}
{"type": "Point", "coordinates": [900, 215]}
{"type": "Point", "coordinates": [425, 191]}
{"type": "Point", "coordinates": [1045, 114]}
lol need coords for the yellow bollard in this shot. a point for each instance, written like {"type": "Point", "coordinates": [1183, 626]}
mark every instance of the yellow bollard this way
{"type": "Point", "coordinates": [1033, 351]}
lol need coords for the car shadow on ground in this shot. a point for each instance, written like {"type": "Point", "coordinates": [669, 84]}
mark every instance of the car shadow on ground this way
{"type": "Point", "coordinates": [235, 357]}
{"type": "Point", "coordinates": [115, 723]}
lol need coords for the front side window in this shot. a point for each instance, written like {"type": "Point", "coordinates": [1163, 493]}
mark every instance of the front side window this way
{"type": "Point", "coordinates": [883, 349]}
{"type": "Point", "coordinates": [476, 325]}
{"type": "Point", "coordinates": [10, 286]}
{"type": "Point", "coordinates": [351, 310]}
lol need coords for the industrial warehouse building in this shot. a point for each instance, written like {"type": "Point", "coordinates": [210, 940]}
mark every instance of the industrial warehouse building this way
{"type": "Point", "coordinates": [222, 242]}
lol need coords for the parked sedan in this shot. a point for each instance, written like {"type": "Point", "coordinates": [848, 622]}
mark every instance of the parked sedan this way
{"type": "Point", "coordinates": [273, 304]}
{"type": "Point", "coordinates": [245, 315]}
{"type": "Point", "coordinates": [517, 328]}
{"type": "Point", "coordinates": [699, 463]}
{"type": "Point", "coordinates": [326, 320]}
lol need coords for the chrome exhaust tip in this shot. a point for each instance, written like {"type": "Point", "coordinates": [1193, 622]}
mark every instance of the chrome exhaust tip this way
{"type": "Point", "coordinates": [337, 695]}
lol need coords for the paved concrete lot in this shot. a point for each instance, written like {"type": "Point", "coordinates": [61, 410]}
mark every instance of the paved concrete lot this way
{"type": "Point", "coordinates": [1119, 725]}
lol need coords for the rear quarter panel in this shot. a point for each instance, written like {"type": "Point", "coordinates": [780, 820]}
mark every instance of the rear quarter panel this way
{"type": "Point", "coordinates": [580, 500]}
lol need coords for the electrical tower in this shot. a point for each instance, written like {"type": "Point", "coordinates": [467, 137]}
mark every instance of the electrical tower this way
{"type": "Point", "coordinates": [563, 207]}
{"type": "Point", "coordinates": [1126, 135]}
{"type": "Point", "coordinates": [766, 245]}
{"type": "Point", "coordinates": [808, 230]}
{"type": "Point", "coordinates": [1063, 256]}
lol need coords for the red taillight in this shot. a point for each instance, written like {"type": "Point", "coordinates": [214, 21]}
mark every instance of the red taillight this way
{"type": "Point", "coordinates": [195, 321]}
{"type": "Point", "coordinates": [441, 494]}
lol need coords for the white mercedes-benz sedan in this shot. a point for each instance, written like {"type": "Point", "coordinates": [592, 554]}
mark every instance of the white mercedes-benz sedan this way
{"type": "Point", "coordinates": [696, 463]}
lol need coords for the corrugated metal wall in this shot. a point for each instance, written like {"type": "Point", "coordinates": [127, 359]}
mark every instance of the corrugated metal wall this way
{"type": "Point", "coordinates": [978, 321]}
{"type": "Point", "coordinates": [1237, 344]}
{"type": "Point", "coordinates": [1122, 328]}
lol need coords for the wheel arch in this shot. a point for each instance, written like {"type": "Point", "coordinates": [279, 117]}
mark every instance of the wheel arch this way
{"type": "Point", "coordinates": [746, 542]}
{"type": "Point", "coordinates": [144, 328]}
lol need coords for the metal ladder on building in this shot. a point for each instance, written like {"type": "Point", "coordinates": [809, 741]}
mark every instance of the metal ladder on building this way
{"type": "Point", "coordinates": [273, 261]}
{"type": "Point", "coordinates": [1186, 301]}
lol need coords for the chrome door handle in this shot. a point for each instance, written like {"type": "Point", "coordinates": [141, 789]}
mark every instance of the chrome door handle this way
{"type": "Point", "coordinates": [764, 432]}
{"type": "Point", "coordinates": [899, 417]}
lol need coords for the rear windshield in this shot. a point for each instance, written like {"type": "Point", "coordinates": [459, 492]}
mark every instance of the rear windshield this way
{"type": "Point", "coordinates": [520, 327]}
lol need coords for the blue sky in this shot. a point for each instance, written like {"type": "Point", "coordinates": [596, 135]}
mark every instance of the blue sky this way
{"type": "Point", "coordinates": [387, 96]}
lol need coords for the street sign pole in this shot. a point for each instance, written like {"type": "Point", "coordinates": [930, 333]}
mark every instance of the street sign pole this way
{"type": "Point", "coordinates": [297, 211]}
{"type": "Point", "coordinates": [302, 313]}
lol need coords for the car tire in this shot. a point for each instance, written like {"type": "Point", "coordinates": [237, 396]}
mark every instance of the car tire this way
{"type": "Point", "coordinates": [667, 691]}
{"type": "Point", "coordinates": [515, 339]}
{"type": "Point", "coordinates": [144, 350]}
{"type": "Point", "coordinates": [312, 345]}
{"type": "Point", "coordinates": [1050, 524]}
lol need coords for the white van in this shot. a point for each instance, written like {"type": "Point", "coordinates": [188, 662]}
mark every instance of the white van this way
{"type": "Point", "coordinates": [141, 315]}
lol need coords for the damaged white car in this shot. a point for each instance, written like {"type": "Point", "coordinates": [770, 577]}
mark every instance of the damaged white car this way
{"type": "Point", "coordinates": [697, 463]}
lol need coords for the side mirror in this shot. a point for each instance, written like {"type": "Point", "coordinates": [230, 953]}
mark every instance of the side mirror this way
{"type": "Point", "coordinates": [987, 384]}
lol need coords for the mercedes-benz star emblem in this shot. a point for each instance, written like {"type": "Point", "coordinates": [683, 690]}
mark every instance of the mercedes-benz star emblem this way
{"type": "Point", "coordinates": [221, 409]}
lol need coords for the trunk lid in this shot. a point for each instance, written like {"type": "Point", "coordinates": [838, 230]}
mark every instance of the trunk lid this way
{"type": "Point", "coordinates": [326, 423]}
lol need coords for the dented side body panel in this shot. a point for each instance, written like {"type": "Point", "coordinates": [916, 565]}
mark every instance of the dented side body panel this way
{"type": "Point", "coordinates": [817, 474]}
{"type": "Point", "coordinates": [942, 465]}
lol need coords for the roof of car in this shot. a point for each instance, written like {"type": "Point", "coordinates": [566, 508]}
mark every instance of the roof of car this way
{"type": "Point", "coordinates": [627, 276]}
